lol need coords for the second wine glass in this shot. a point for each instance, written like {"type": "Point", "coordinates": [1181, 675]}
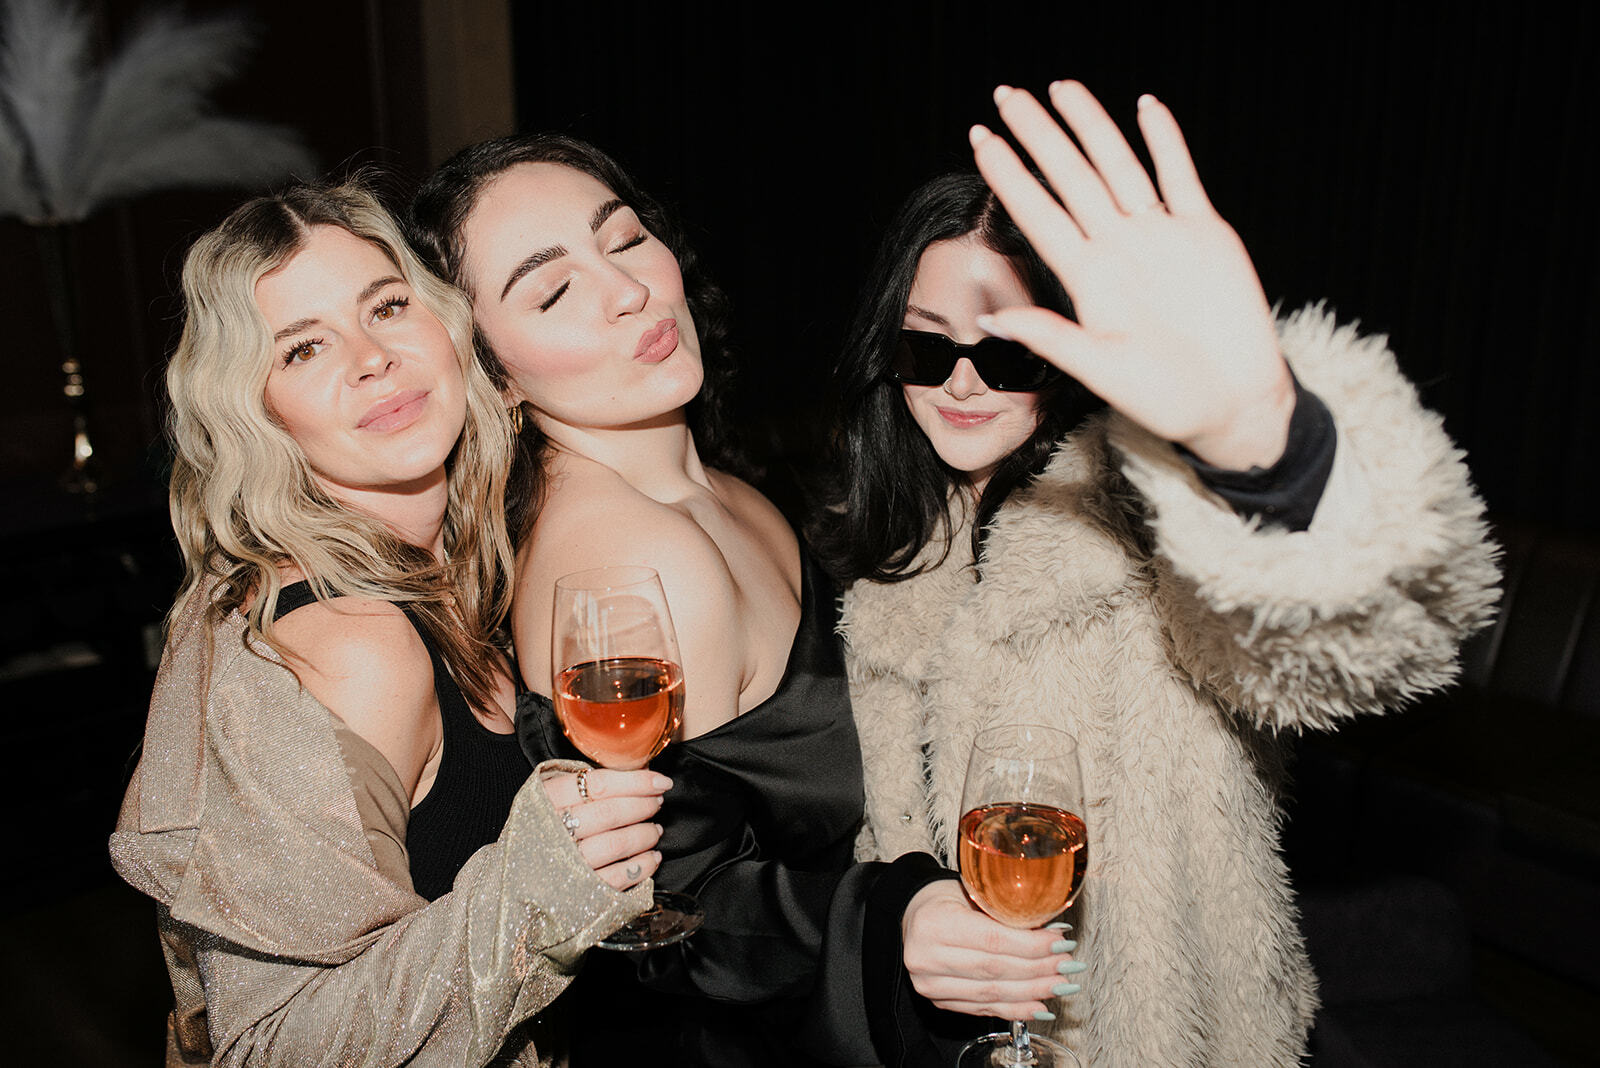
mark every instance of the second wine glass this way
{"type": "Point", "coordinates": [618, 692]}
{"type": "Point", "coordinates": [1023, 852]}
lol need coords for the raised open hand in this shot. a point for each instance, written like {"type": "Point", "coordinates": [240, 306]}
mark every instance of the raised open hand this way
{"type": "Point", "coordinates": [1173, 328]}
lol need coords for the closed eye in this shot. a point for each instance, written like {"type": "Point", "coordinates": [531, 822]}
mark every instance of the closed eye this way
{"type": "Point", "coordinates": [630, 243]}
{"type": "Point", "coordinates": [550, 301]}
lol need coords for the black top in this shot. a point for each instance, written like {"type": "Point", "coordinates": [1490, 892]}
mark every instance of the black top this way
{"type": "Point", "coordinates": [1286, 494]}
{"type": "Point", "coordinates": [760, 827]}
{"type": "Point", "coordinates": [479, 774]}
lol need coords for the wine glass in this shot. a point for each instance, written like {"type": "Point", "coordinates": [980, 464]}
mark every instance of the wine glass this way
{"type": "Point", "coordinates": [618, 692]}
{"type": "Point", "coordinates": [1023, 851]}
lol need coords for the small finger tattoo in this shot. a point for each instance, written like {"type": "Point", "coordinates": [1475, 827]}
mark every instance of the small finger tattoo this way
{"type": "Point", "coordinates": [634, 871]}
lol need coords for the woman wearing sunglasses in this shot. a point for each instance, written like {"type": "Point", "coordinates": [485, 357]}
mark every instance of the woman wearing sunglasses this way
{"type": "Point", "coordinates": [1156, 537]}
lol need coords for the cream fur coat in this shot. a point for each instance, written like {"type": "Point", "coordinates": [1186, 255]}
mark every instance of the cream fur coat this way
{"type": "Point", "coordinates": [1122, 602]}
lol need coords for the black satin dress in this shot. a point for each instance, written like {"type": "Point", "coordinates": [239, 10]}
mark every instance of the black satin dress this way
{"type": "Point", "coordinates": [800, 946]}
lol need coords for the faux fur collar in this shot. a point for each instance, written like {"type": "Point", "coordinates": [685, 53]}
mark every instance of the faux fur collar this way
{"type": "Point", "coordinates": [1057, 550]}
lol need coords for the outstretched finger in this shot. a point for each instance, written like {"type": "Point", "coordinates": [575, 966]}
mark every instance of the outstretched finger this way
{"type": "Point", "coordinates": [1042, 221]}
{"type": "Point", "coordinates": [1047, 334]}
{"type": "Point", "coordinates": [1180, 182]}
{"type": "Point", "coordinates": [1107, 149]}
{"type": "Point", "coordinates": [1080, 187]}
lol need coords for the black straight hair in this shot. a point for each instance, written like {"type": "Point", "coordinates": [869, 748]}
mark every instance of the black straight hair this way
{"type": "Point", "coordinates": [886, 494]}
{"type": "Point", "coordinates": [435, 226]}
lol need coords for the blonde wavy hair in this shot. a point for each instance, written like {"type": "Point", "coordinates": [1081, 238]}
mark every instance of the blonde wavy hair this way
{"type": "Point", "coordinates": [242, 495]}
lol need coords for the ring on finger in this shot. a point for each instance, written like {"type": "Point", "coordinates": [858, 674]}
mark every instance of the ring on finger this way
{"type": "Point", "coordinates": [1154, 205]}
{"type": "Point", "coordinates": [570, 822]}
{"type": "Point", "coordinates": [583, 784]}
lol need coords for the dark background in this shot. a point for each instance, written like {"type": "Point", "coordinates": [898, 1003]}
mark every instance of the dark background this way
{"type": "Point", "coordinates": [1428, 169]}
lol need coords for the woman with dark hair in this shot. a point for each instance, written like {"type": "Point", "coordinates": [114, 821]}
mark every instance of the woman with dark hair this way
{"type": "Point", "coordinates": [591, 316]}
{"type": "Point", "coordinates": [350, 859]}
{"type": "Point", "coordinates": [898, 494]}
{"type": "Point", "coordinates": [1220, 551]}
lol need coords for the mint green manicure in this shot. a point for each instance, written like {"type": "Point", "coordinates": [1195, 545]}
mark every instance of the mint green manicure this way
{"type": "Point", "coordinates": [1071, 967]}
{"type": "Point", "coordinates": [1044, 1017]}
{"type": "Point", "coordinates": [1064, 945]}
{"type": "Point", "coordinates": [1059, 925]}
{"type": "Point", "coordinates": [1062, 990]}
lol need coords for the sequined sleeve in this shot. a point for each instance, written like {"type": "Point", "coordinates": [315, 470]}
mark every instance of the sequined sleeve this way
{"type": "Point", "coordinates": [287, 940]}
{"type": "Point", "coordinates": [447, 983]}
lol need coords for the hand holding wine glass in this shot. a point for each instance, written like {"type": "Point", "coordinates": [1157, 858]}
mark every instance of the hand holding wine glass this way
{"type": "Point", "coordinates": [1024, 849]}
{"type": "Point", "coordinates": [618, 692]}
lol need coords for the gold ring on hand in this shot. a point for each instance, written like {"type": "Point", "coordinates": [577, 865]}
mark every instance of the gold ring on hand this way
{"type": "Point", "coordinates": [583, 784]}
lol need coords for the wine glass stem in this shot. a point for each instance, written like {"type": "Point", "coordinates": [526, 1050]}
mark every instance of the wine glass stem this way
{"type": "Point", "coordinates": [1022, 1044]}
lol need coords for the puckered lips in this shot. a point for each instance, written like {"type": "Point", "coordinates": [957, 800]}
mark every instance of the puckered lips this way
{"type": "Point", "coordinates": [658, 342]}
{"type": "Point", "coordinates": [394, 412]}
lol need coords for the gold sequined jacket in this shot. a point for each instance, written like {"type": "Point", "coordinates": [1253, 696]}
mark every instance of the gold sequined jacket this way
{"type": "Point", "coordinates": [285, 910]}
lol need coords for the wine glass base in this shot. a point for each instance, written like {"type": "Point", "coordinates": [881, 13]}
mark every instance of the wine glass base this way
{"type": "Point", "coordinates": [996, 1051]}
{"type": "Point", "coordinates": [673, 918]}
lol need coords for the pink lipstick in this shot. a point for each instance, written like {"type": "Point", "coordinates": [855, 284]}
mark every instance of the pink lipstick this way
{"type": "Point", "coordinates": [962, 419]}
{"type": "Point", "coordinates": [394, 413]}
{"type": "Point", "coordinates": [659, 342]}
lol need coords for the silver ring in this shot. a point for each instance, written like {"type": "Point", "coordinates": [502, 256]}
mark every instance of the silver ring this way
{"type": "Point", "coordinates": [583, 784]}
{"type": "Point", "coordinates": [570, 822]}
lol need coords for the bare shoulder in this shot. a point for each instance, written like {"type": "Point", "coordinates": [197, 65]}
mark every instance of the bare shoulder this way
{"type": "Point", "coordinates": [752, 505]}
{"type": "Point", "coordinates": [365, 661]}
{"type": "Point", "coordinates": [594, 518]}
{"type": "Point", "coordinates": [598, 520]}
{"type": "Point", "coordinates": [773, 534]}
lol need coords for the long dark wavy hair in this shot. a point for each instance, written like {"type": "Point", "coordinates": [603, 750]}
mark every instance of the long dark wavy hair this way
{"type": "Point", "coordinates": [887, 494]}
{"type": "Point", "coordinates": [435, 225]}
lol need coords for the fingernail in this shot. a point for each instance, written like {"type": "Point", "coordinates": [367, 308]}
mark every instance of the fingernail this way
{"type": "Point", "coordinates": [1001, 92]}
{"type": "Point", "coordinates": [1063, 990]}
{"type": "Point", "coordinates": [1059, 925]}
{"type": "Point", "coordinates": [660, 781]}
{"type": "Point", "coordinates": [1063, 945]}
{"type": "Point", "coordinates": [660, 830]}
{"type": "Point", "coordinates": [1145, 100]}
{"type": "Point", "coordinates": [987, 324]}
{"type": "Point", "coordinates": [1071, 967]}
{"type": "Point", "coordinates": [1044, 1017]}
{"type": "Point", "coordinates": [978, 135]}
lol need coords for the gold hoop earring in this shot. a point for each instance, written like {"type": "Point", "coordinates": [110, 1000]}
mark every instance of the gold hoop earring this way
{"type": "Point", "coordinates": [514, 413]}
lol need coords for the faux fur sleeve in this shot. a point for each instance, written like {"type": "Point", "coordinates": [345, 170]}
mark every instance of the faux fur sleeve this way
{"type": "Point", "coordinates": [1367, 608]}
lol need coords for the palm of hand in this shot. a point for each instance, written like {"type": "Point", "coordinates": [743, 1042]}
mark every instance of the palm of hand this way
{"type": "Point", "coordinates": [1174, 330]}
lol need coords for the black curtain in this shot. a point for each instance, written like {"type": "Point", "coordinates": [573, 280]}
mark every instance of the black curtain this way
{"type": "Point", "coordinates": [1427, 169]}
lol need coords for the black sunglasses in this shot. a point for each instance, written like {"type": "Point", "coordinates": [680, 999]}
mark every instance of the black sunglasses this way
{"type": "Point", "coordinates": [925, 359]}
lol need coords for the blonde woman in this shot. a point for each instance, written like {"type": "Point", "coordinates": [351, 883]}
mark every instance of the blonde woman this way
{"type": "Point", "coordinates": [329, 760]}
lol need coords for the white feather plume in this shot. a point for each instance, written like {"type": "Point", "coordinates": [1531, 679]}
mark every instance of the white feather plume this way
{"type": "Point", "coordinates": [74, 135]}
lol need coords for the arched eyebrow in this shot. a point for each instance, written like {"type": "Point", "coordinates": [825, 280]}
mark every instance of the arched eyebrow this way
{"type": "Point", "coordinates": [554, 252]}
{"type": "Point", "coordinates": [924, 313]}
{"type": "Point", "coordinates": [372, 289]}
